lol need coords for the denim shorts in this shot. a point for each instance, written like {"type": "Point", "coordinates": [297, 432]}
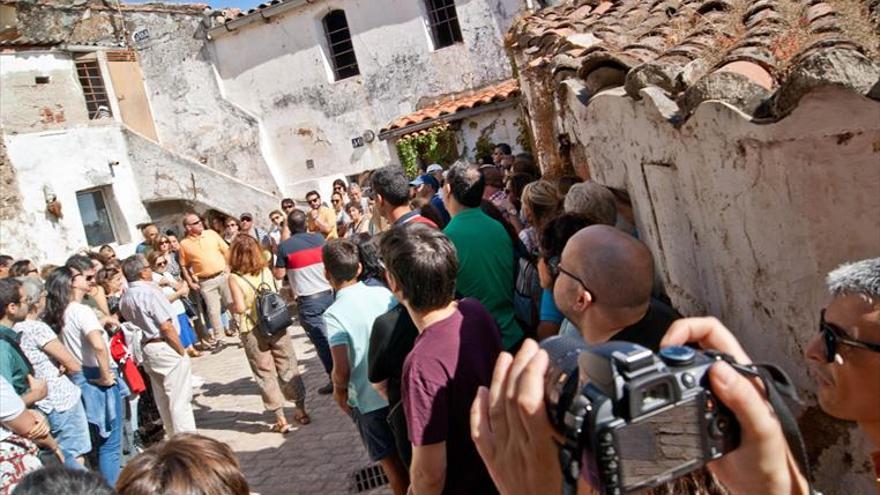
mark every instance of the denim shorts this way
{"type": "Point", "coordinates": [375, 432]}
{"type": "Point", "coordinates": [71, 429]}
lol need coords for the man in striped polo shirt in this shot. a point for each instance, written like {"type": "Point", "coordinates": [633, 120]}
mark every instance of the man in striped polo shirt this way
{"type": "Point", "coordinates": [299, 257]}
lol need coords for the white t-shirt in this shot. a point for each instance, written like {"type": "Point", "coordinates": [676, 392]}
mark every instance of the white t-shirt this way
{"type": "Point", "coordinates": [11, 406]}
{"type": "Point", "coordinates": [177, 305]}
{"type": "Point", "coordinates": [79, 321]}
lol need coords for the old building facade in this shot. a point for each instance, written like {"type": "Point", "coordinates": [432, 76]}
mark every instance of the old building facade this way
{"type": "Point", "coordinates": [131, 113]}
{"type": "Point", "coordinates": [747, 135]}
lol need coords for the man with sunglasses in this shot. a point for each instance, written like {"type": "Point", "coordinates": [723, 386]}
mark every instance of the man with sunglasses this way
{"type": "Point", "coordinates": [321, 219]}
{"type": "Point", "coordinates": [844, 358]}
{"type": "Point", "coordinates": [203, 265]}
{"type": "Point", "coordinates": [603, 284]}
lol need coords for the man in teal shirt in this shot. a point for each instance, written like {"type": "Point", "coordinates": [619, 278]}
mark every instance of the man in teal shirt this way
{"type": "Point", "coordinates": [485, 251]}
{"type": "Point", "coordinates": [349, 322]}
{"type": "Point", "coordinates": [14, 366]}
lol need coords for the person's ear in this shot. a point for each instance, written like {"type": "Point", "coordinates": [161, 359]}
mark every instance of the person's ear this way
{"type": "Point", "coordinates": [392, 283]}
{"type": "Point", "coordinates": [360, 270]}
{"type": "Point", "coordinates": [583, 301]}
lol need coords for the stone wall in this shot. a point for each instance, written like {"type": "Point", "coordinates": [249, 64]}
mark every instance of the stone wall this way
{"type": "Point", "coordinates": [745, 220]}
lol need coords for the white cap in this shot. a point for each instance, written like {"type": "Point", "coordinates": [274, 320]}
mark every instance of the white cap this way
{"type": "Point", "coordinates": [434, 168]}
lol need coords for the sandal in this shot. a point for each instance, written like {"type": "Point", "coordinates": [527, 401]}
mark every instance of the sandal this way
{"type": "Point", "coordinates": [193, 353]}
{"type": "Point", "coordinates": [301, 417]}
{"type": "Point", "coordinates": [279, 428]}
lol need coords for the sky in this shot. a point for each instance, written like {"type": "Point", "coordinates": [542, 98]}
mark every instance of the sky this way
{"type": "Point", "coordinates": [216, 4]}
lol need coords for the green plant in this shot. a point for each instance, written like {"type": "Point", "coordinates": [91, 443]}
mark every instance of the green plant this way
{"type": "Point", "coordinates": [523, 137]}
{"type": "Point", "coordinates": [433, 145]}
{"type": "Point", "coordinates": [484, 146]}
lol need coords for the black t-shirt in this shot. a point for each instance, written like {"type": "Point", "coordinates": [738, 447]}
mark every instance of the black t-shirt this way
{"type": "Point", "coordinates": [649, 331]}
{"type": "Point", "coordinates": [390, 342]}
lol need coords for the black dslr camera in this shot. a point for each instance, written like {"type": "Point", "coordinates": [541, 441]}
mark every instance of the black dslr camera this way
{"type": "Point", "coordinates": [632, 419]}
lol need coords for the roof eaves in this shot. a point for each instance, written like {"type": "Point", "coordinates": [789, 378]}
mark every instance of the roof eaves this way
{"type": "Point", "coordinates": [258, 14]}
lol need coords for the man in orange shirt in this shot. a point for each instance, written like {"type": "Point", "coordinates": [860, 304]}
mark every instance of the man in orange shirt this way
{"type": "Point", "coordinates": [321, 219]}
{"type": "Point", "coordinates": [204, 267]}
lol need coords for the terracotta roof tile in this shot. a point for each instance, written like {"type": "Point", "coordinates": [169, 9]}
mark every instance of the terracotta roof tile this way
{"type": "Point", "coordinates": [757, 53]}
{"type": "Point", "coordinates": [450, 105]}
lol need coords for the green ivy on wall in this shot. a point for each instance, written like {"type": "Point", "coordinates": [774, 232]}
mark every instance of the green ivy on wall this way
{"type": "Point", "coordinates": [433, 145]}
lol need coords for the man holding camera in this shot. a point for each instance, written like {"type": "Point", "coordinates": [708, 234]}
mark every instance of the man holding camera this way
{"type": "Point", "coordinates": [510, 426]}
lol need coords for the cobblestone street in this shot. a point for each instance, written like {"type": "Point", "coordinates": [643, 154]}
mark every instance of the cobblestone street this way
{"type": "Point", "coordinates": [319, 458]}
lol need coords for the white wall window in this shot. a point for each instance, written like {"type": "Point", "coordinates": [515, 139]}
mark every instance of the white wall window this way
{"type": "Point", "coordinates": [339, 43]}
{"type": "Point", "coordinates": [443, 21]}
{"type": "Point", "coordinates": [95, 214]}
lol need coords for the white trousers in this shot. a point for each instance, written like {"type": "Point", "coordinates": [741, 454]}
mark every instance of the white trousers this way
{"type": "Point", "coordinates": [172, 388]}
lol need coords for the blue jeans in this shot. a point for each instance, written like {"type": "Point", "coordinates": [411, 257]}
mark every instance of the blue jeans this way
{"type": "Point", "coordinates": [71, 430]}
{"type": "Point", "coordinates": [311, 317]}
{"type": "Point", "coordinates": [105, 412]}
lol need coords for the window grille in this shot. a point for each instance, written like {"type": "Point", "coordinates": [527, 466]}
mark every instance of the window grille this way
{"type": "Point", "coordinates": [97, 102]}
{"type": "Point", "coordinates": [444, 23]}
{"type": "Point", "coordinates": [339, 42]}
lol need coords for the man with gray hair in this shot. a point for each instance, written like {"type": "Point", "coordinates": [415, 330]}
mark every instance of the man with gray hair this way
{"type": "Point", "coordinates": [592, 201]}
{"type": "Point", "coordinates": [165, 359]}
{"type": "Point", "coordinates": [844, 359]}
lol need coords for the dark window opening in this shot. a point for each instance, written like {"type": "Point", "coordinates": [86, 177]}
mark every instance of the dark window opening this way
{"type": "Point", "coordinates": [95, 216]}
{"type": "Point", "coordinates": [97, 102]}
{"type": "Point", "coordinates": [444, 23]}
{"type": "Point", "coordinates": [41, 79]}
{"type": "Point", "coordinates": [339, 42]}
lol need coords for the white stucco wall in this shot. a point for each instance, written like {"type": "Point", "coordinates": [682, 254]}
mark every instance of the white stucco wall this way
{"type": "Point", "coordinates": [279, 71]}
{"type": "Point", "coordinates": [68, 161]}
{"type": "Point", "coordinates": [28, 106]}
{"type": "Point", "coordinates": [498, 126]}
{"type": "Point", "coordinates": [745, 220]}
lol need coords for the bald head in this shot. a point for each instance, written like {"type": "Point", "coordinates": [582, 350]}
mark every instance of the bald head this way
{"type": "Point", "coordinates": [617, 268]}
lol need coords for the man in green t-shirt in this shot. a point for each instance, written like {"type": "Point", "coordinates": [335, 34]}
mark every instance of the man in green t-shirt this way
{"type": "Point", "coordinates": [14, 366]}
{"type": "Point", "coordinates": [485, 251]}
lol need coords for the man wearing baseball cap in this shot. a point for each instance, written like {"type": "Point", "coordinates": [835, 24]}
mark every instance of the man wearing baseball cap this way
{"type": "Point", "coordinates": [246, 220]}
{"type": "Point", "coordinates": [428, 187]}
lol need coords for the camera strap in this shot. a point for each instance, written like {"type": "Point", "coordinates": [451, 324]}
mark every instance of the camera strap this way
{"type": "Point", "coordinates": [777, 384]}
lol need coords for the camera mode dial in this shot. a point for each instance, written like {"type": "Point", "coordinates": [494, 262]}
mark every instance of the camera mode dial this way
{"type": "Point", "coordinates": [677, 355]}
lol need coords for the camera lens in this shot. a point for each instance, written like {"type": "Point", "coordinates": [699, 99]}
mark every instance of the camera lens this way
{"type": "Point", "coordinates": [562, 376]}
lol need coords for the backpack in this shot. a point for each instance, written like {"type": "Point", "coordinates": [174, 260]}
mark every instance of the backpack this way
{"type": "Point", "coordinates": [527, 290]}
{"type": "Point", "coordinates": [273, 317]}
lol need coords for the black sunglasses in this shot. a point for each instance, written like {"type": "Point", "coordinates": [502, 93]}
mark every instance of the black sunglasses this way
{"type": "Point", "coordinates": [195, 223]}
{"type": "Point", "coordinates": [834, 336]}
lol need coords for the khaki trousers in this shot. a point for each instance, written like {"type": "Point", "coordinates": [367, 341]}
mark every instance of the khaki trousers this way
{"type": "Point", "coordinates": [215, 291]}
{"type": "Point", "coordinates": [170, 379]}
{"type": "Point", "coordinates": [275, 369]}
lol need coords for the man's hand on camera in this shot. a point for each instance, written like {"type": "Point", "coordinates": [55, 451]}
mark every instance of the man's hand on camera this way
{"type": "Point", "coordinates": [510, 427]}
{"type": "Point", "coordinates": [763, 462]}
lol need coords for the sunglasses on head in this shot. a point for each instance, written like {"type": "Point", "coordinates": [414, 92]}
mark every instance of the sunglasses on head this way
{"type": "Point", "coordinates": [834, 336]}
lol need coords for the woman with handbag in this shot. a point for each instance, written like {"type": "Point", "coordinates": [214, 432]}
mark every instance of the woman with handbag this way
{"type": "Point", "coordinates": [270, 355]}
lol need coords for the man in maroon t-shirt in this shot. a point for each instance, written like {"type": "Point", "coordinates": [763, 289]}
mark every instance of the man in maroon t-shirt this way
{"type": "Point", "coordinates": [452, 357]}
{"type": "Point", "coordinates": [391, 193]}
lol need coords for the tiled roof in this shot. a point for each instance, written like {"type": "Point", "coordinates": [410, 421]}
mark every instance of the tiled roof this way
{"type": "Point", "coordinates": [233, 13]}
{"type": "Point", "coordinates": [759, 55]}
{"type": "Point", "coordinates": [450, 105]}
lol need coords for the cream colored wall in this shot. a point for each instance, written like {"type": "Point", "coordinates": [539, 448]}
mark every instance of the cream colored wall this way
{"type": "Point", "coordinates": [745, 220]}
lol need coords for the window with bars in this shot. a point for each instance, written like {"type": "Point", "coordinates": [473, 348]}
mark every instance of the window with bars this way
{"type": "Point", "coordinates": [444, 23]}
{"type": "Point", "coordinates": [339, 42]}
{"type": "Point", "coordinates": [97, 102]}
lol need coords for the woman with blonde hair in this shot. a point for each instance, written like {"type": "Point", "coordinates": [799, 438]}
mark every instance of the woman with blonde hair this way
{"type": "Point", "coordinates": [271, 358]}
{"type": "Point", "coordinates": [541, 202]}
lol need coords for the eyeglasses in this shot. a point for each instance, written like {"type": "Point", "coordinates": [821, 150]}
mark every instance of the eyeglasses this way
{"type": "Point", "coordinates": [195, 223]}
{"type": "Point", "coordinates": [572, 275]}
{"type": "Point", "coordinates": [337, 188]}
{"type": "Point", "coordinates": [246, 220]}
{"type": "Point", "coordinates": [89, 278]}
{"type": "Point", "coordinates": [336, 201]}
{"type": "Point", "coordinates": [162, 265]}
{"type": "Point", "coordinates": [314, 200]}
{"type": "Point", "coordinates": [834, 336]}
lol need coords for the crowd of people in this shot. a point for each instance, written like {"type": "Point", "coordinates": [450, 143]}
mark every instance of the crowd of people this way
{"type": "Point", "coordinates": [424, 300]}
